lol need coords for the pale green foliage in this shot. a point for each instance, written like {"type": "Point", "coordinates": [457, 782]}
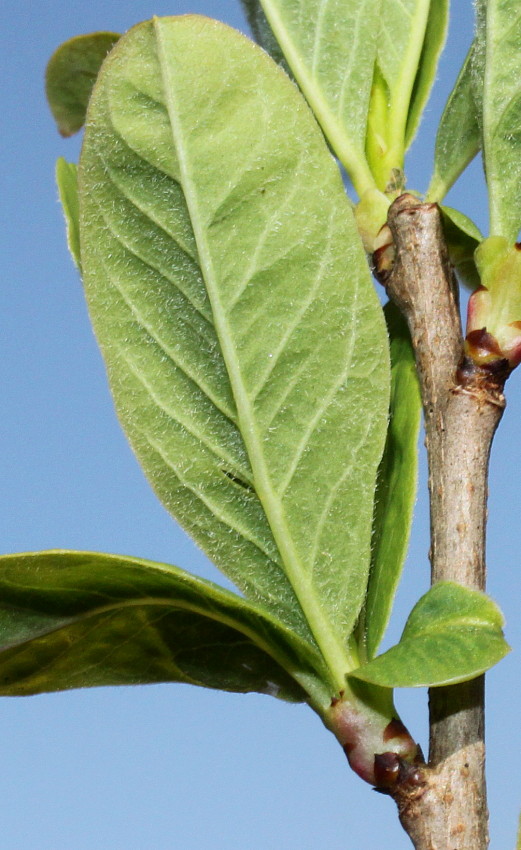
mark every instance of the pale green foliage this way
{"type": "Point", "coordinates": [401, 86]}
{"type": "Point", "coordinates": [331, 47]}
{"type": "Point", "coordinates": [67, 182]}
{"type": "Point", "coordinates": [452, 634]}
{"type": "Point", "coordinates": [86, 619]}
{"type": "Point", "coordinates": [396, 487]}
{"type": "Point", "coordinates": [462, 238]}
{"type": "Point", "coordinates": [458, 138]}
{"type": "Point", "coordinates": [233, 303]}
{"type": "Point", "coordinates": [433, 44]}
{"type": "Point", "coordinates": [247, 353]}
{"type": "Point", "coordinates": [500, 28]}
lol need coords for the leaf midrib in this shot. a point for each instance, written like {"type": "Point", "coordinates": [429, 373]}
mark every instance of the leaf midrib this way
{"type": "Point", "coordinates": [351, 155]}
{"type": "Point", "coordinates": [335, 655]}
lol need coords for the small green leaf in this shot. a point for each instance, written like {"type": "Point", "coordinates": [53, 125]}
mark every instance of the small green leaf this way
{"type": "Point", "coordinates": [453, 634]}
{"type": "Point", "coordinates": [402, 26]}
{"type": "Point", "coordinates": [462, 238]}
{"type": "Point", "coordinates": [330, 47]}
{"type": "Point", "coordinates": [502, 116]}
{"type": "Point", "coordinates": [70, 76]}
{"type": "Point", "coordinates": [433, 43]}
{"type": "Point", "coordinates": [198, 226]}
{"type": "Point", "coordinates": [458, 139]}
{"type": "Point", "coordinates": [67, 181]}
{"type": "Point", "coordinates": [84, 619]}
{"type": "Point", "coordinates": [396, 485]}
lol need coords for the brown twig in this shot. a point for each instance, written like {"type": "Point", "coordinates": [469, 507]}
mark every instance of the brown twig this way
{"type": "Point", "coordinates": [462, 404]}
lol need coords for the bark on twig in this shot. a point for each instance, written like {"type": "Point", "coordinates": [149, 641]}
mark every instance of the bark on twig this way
{"type": "Point", "coordinates": [462, 404]}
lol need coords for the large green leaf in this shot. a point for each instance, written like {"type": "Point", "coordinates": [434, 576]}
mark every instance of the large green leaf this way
{"type": "Point", "coordinates": [330, 46]}
{"type": "Point", "coordinates": [502, 116]}
{"type": "Point", "coordinates": [402, 27]}
{"type": "Point", "coordinates": [458, 138]}
{"type": "Point", "coordinates": [230, 293]}
{"type": "Point", "coordinates": [396, 486]}
{"type": "Point", "coordinates": [67, 181]}
{"type": "Point", "coordinates": [70, 76]}
{"type": "Point", "coordinates": [82, 619]}
{"type": "Point", "coordinates": [453, 634]}
{"type": "Point", "coordinates": [434, 41]}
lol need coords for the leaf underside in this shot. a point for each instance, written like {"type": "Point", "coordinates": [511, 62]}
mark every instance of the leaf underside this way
{"type": "Point", "coordinates": [83, 619]}
{"type": "Point", "coordinates": [229, 291]}
{"type": "Point", "coordinates": [330, 47]}
{"type": "Point", "coordinates": [502, 115]}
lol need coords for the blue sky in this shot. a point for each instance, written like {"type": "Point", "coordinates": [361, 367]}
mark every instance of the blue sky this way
{"type": "Point", "coordinates": [173, 766]}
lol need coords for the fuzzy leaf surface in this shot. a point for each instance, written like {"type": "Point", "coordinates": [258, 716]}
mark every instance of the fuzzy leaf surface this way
{"type": "Point", "coordinates": [452, 634]}
{"type": "Point", "coordinates": [85, 619]}
{"type": "Point", "coordinates": [396, 485]}
{"type": "Point", "coordinates": [70, 76]}
{"type": "Point", "coordinates": [433, 43]}
{"type": "Point", "coordinates": [502, 116]}
{"type": "Point", "coordinates": [458, 139]}
{"type": "Point", "coordinates": [330, 47]}
{"type": "Point", "coordinates": [230, 293]}
{"type": "Point", "coordinates": [262, 32]}
{"type": "Point", "coordinates": [401, 31]}
{"type": "Point", "coordinates": [67, 182]}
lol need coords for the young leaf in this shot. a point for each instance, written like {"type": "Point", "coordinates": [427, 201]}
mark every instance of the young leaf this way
{"type": "Point", "coordinates": [459, 137]}
{"type": "Point", "coordinates": [452, 634]}
{"type": "Point", "coordinates": [231, 296]}
{"type": "Point", "coordinates": [83, 619]}
{"type": "Point", "coordinates": [330, 47]}
{"type": "Point", "coordinates": [71, 74]}
{"type": "Point", "coordinates": [433, 43]}
{"type": "Point", "coordinates": [502, 116]}
{"type": "Point", "coordinates": [67, 181]}
{"type": "Point", "coordinates": [396, 485]}
{"type": "Point", "coordinates": [401, 33]}
{"type": "Point", "coordinates": [462, 237]}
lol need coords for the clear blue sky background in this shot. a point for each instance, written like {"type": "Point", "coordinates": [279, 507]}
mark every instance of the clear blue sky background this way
{"type": "Point", "coordinates": [173, 766]}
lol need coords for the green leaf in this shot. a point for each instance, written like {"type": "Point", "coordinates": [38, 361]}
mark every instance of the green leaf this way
{"type": "Point", "coordinates": [67, 181]}
{"type": "Point", "coordinates": [462, 238]}
{"type": "Point", "coordinates": [402, 26]}
{"type": "Point", "coordinates": [330, 47]}
{"type": "Point", "coordinates": [458, 139]}
{"type": "Point", "coordinates": [502, 116]}
{"type": "Point", "coordinates": [84, 619]}
{"type": "Point", "coordinates": [396, 486]}
{"type": "Point", "coordinates": [71, 74]}
{"type": "Point", "coordinates": [262, 32]}
{"type": "Point", "coordinates": [433, 44]}
{"type": "Point", "coordinates": [453, 634]}
{"type": "Point", "coordinates": [230, 293]}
